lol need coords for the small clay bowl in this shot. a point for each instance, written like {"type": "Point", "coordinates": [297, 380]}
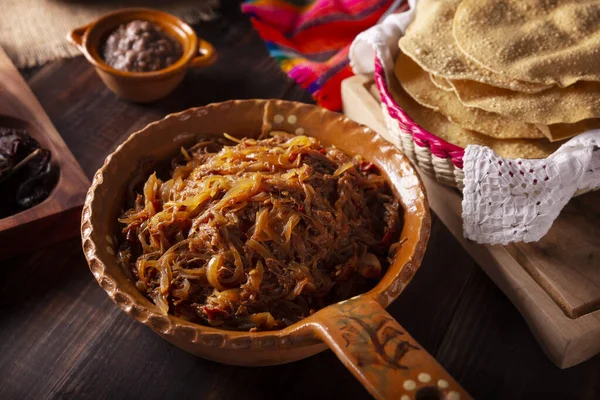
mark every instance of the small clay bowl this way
{"type": "Point", "coordinates": [142, 87]}
{"type": "Point", "coordinates": [374, 347]}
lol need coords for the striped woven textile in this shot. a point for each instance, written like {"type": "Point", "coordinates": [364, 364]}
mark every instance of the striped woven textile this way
{"type": "Point", "coordinates": [311, 39]}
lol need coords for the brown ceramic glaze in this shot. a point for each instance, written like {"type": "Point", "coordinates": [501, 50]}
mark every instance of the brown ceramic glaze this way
{"type": "Point", "coordinates": [378, 351]}
{"type": "Point", "coordinates": [142, 87]}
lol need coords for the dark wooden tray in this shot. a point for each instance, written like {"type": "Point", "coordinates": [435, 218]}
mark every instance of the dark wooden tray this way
{"type": "Point", "coordinates": [58, 216]}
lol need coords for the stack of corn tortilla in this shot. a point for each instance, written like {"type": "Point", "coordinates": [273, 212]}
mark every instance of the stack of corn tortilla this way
{"type": "Point", "coordinates": [519, 76]}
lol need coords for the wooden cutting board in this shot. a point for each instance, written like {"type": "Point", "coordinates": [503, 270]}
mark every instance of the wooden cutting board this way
{"type": "Point", "coordinates": [58, 216]}
{"type": "Point", "coordinates": [555, 283]}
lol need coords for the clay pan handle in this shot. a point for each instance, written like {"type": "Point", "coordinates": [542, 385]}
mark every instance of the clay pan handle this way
{"type": "Point", "coordinates": [382, 355]}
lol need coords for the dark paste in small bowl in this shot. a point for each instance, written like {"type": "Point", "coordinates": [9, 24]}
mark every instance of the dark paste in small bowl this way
{"type": "Point", "coordinates": [140, 46]}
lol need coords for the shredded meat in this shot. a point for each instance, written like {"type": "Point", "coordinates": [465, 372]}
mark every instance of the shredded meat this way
{"type": "Point", "coordinates": [260, 234]}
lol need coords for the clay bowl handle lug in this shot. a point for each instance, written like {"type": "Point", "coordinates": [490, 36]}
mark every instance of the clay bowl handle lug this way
{"type": "Point", "coordinates": [207, 54]}
{"type": "Point", "coordinates": [382, 355]}
{"type": "Point", "coordinates": [75, 37]}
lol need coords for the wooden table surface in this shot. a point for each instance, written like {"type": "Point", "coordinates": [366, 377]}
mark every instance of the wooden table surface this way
{"type": "Point", "coordinates": [62, 337]}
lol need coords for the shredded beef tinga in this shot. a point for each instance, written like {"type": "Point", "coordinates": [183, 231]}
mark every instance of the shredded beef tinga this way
{"type": "Point", "coordinates": [257, 234]}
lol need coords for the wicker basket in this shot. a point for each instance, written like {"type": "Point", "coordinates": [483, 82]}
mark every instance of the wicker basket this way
{"type": "Point", "coordinates": [433, 155]}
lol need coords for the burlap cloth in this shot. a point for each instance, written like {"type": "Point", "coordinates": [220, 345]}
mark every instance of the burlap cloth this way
{"type": "Point", "coordinates": [32, 32]}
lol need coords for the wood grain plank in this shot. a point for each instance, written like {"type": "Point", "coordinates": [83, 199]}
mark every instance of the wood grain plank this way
{"type": "Point", "coordinates": [566, 262]}
{"type": "Point", "coordinates": [40, 335]}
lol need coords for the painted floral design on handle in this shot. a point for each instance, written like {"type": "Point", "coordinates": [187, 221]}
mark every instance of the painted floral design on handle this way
{"type": "Point", "coordinates": [382, 355]}
{"type": "Point", "coordinates": [382, 336]}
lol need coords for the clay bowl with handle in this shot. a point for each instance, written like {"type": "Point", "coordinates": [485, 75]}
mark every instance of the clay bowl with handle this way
{"type": "Point", "coordinates": [372, 345]}
{"type": "Point", "coordinates": [142, 87]}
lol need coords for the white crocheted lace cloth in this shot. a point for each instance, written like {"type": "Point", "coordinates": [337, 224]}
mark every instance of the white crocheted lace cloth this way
{"type": "Point", "coordinates": [504, 200]}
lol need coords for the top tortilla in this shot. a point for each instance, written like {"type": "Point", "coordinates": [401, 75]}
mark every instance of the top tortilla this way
{"type": "Point", "coordinates": [429, 41]}
{"type": "Point", "coordinates": [543, 41]}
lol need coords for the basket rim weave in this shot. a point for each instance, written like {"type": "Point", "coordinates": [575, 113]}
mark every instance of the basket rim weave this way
{"type": "Point", "coordinates": [422, 138]}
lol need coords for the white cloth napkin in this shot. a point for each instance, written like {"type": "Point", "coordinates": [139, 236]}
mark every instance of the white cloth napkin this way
{"type": "Point", "coordinates": [504, 200]}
